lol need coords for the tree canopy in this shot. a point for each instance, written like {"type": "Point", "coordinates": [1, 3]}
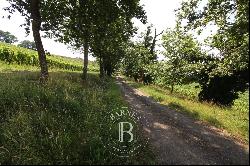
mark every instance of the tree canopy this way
{"type": "Point", "coordinates": [141, 56]}
{"type": "Point", "coordinates": [7, 37]}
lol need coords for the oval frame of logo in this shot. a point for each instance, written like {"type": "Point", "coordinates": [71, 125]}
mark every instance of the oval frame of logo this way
{"type": "Point", "coordinates": [128, 142]}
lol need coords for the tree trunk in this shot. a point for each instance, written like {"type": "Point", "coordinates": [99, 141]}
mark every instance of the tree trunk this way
{"type": "Point", "coordinates": [109, 70]}
{"type": "Point", "coordinates": [86, 60]}
{"type": "Point", "coordinates": [172, 89]}
{"type": "Point", "coordinates": [152, 49]}
{"type": "Point", "coordinates": [36, 26]}
{"type": "Point", "coordinates": [101, 68]}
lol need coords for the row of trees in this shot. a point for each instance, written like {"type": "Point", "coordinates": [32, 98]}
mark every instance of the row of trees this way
{"type": "Point", "coordinates": [104, 27]}
{"type": "Point", "coordinates": [221, 76]}
{"type": "Point", "coordinates": [7, 37]}
{"type": "Point", "coordinates": [97, 26]}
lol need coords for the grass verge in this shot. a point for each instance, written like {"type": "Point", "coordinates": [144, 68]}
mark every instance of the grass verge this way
{"type": "Point", "coordinates": [62, 122]}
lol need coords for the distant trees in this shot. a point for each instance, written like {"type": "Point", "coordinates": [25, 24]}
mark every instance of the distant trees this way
{"type": "Point", "coordinates": [7, 37]}
{"type": "Point", "coordinates": [141, 56]}
{"type": "Point", "coordinates": [28, 44]}
{"type": "Point", "coordinates": [136, 62]}
{"type": "Point", "coordinates": [110, 45]}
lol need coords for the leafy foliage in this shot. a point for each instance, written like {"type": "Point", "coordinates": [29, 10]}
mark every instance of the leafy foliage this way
{"type": "Point", "coordinates": [135, 63]}
{"type": "Point", "coordinates": [84, 24]}
{"type": "Point", "coordinates": [181, 52]}
{"type": "Point", "coordinates": [7, 37]}
{"type": "Point", "coordinates": [220, 76]}
{"type": "Point", "coordinates": [229, 72]}
{"type": "Point", "coordinates": [141, 57]}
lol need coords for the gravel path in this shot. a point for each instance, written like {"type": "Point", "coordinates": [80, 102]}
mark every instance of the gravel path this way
{"type": "Point", "coordinates": [179, 139]}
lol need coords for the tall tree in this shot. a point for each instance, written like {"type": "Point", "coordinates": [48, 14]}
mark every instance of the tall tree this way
{"type": "Point", "coordinates": [152, 48]}
{"type": "Point", "coordinates": [36, 27]}
{"type": "Point", "coordinates": [109, 46]}
{"type": "Point", "coordinates": [44, 16]}
{"type": "Point", "coordinates": [136, 62]}
{"type": "Point", "coordinates": [79, 28]}
{"type": "Point", "coordinates": [143, 56]}
{"type": "Point", "coordinates": [103, 26]}
{"type": "Point", "coordinates": [32, 12]}
{"type": "Point", "coordinates": [114, 31]}
{"type": "Point", "coordinates": [181, 52]}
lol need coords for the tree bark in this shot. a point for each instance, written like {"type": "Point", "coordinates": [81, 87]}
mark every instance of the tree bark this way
{"type": "Point", "coordinates": [86, 60]}
{"type": "Point", "coordinates": [152, 49]}
{"type": "Point", "coordinates": [36, 26]}
{"type": "Point", "coordinates": [172, 89]}
{"type": "Point", "coordinates": [109, 70]}
{"type": "Point", "coordinates": [101, 68]}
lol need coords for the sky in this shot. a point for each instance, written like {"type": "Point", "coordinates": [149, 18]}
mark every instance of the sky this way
{"type": "Point", "coordinates": [160, 13]}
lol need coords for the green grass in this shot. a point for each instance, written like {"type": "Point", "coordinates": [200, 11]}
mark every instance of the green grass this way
{"type": "Point", "coordinates": [234, 120]}
{"type": "Point", "coordinates": [62, 122]}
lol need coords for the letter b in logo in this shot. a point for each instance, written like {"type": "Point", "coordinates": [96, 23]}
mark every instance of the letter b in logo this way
{"type": "Point", "coordinates": [121, 131]}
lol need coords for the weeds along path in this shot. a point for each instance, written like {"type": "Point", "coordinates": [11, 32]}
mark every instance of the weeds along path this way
{"type": "Point", "coordinates": [178, 139]}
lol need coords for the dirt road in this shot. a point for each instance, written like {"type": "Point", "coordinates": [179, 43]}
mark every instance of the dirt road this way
{"type": "Point", "coordinates": [179, 139]}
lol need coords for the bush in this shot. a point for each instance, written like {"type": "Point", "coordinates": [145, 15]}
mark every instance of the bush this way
{"type": "Point", "coordinates": [224, 89]}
